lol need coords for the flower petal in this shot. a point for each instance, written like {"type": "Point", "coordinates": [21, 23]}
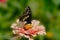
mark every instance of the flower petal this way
{"type": "Point", "coordinates": [17, 20]}
{"type": "Point", "coordinates": [30, 38]}
{"type": "Point", "coordinates": [31, 31]}
{"type": "Point", "coordinates": [35, 23]}
{"type": "Point", "coordinates": [27, 36]}
{"type": "Point", "coordinates": [21, 34]}
{"type": "Point", "coordinates": [13, 25]}
{"type": "Point", "coordinates": [40, 28]}
{"type": "Point", "coordinates": [42, 33]}
{"type": "Point", "coordinates": [34, 35]}
{"type": "Point", "coordinates": [14, 31]}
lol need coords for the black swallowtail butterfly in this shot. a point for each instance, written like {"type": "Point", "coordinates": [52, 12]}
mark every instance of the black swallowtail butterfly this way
{"type": "Point", "coordinates": [26, 15]}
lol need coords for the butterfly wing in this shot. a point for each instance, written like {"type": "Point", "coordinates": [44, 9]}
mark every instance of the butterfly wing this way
{"type": "Point", "coordinates": [26, 15]}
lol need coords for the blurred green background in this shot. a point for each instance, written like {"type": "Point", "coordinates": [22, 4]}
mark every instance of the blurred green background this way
{"type": "Point", "coordinates": [47, 11]}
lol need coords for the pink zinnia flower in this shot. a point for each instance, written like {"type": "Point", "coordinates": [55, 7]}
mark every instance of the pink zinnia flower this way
{"type": "Point", "coordinates": [36, 29]}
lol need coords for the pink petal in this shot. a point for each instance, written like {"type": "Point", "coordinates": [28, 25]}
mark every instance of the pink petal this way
{"type": "Point", "coordinates": [42, 33]}
{"type": "Point", "coordinates": [40, 28]}
{"type": "Point", "coordinates": [21, 30]}
{"type": "Point", "coordinates": [31, 31]}
{"type": "Point", "coordinates": [35, 22]}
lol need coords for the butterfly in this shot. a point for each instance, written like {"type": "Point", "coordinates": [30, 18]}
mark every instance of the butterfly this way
{"type": "Point", "coordinates": [27, 16]}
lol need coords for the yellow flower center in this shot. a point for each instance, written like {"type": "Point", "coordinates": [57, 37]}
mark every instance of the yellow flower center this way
{"type": "Point", "coordinates": [27, 26]}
